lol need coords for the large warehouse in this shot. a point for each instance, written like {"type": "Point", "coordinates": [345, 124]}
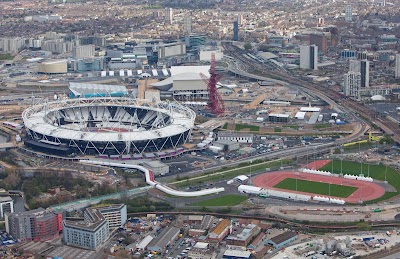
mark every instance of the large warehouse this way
{"type": "Point", "coordinates": [107, 126]}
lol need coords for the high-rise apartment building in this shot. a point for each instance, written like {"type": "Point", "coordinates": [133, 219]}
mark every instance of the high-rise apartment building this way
{"type": "Point", "coordinates": [397, 67]}
{"type": "Point", "coordinates": [362, 67]}
{"type": "Point", "coordinates": [309, 57]}
{"type": "Point", "coordinates": [36, 225]}
{"type": "Point", "coordinates": [235, 30]}
{"type": "Point", "coordinates": [6, 206]}
{"type": "Point", "coordinates": [187, 24]}
{"type": "Point", "coordinates": [352, 84]}
{"type": "Point", "coordinates": [116, 215]}
{"type": "Point", "coordinates": [12, 45]}
{"type": "Point", "coordinates": [84, 51]}
{"type": "Point", "coordinates": [91, 232]}
{"type": "Point", "coordinates": [169, 15]}
{"type": "Point", "coordinates": [348, 13]}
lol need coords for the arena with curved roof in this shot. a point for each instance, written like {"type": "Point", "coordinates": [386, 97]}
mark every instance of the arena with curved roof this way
{"type": "Point", "coordinates": [107, 126]}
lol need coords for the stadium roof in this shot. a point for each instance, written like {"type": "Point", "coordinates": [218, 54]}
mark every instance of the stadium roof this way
{"type": "Point", "coordinates": [34, 118]}
{"type": "Point", "coordinates": [79, 89]}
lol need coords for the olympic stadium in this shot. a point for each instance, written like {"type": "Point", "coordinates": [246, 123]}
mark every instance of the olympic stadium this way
{"type": "Point", "coordinates": [106, 126]}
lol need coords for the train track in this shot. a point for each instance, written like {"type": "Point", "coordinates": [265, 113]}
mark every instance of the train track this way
{"type": "Point", "coordinates": [268, 218]}
{"type": "Point", "coordinates": [385, 124]}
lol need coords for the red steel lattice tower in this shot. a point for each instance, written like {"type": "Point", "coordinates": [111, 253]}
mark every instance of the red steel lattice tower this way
{"type": "Point", "coordinates": [215, 102]}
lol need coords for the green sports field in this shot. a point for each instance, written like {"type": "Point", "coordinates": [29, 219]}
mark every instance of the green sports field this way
{"type": "Point", "coordinates": [316, 187]}
{"type": "Point", "coordinates": [375, 171]}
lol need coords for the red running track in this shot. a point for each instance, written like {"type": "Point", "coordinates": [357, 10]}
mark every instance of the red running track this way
{"type": "Point", "coordinates": [318, 164]}
{"type": "Point", "coordinates": [367, 190]}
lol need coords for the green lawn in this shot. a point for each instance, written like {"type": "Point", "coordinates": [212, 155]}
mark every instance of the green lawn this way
{"type": "Point", "coordinates": [226, 200]}
{"type": "Point", "coordinates": [223, 175]}
{"type": "Point", "coordinates": [316, 187]}
{"type": "Point", "coordinates": [322, 125]}
{"type": "Point", "coordinates": [375, 171]}
{"type": "Point", "coordinates": [6, 56]}
{"type": "Point", "coordinates": [239, 127]}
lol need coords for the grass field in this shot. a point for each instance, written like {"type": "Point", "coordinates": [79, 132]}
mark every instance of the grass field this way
{"type": "Point", "coordinates": [375, 171]}
{"type": "Point", "coordinates": [316, 187]}
{"type": "Point", "coordinates": [229, 173]}
{"type": "Point", "coordinates": [239, 127]}
{"type": "Point", "coordinates": [226, 200]}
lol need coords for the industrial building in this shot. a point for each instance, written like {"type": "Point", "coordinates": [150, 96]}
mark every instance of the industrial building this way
{"type": "Point", "coordinates": [202, 250]}
{"type": "Point", "coordinates": [274, 117]}
{"type": "Point", "coordinates": [243, 237]}
{"type": "Point", "coordinates": [6, 206]}
{"type": "Point", "coordinates": [237, 254]}
{"type": "Point", "coordinates": [90, 232]}
{"type": "Point", "coordinates": [282, 240]}
{"type": "Point", "coordinates": [221, 230]}
{"type": "Point", "coordinates": [34, 225]}
{"type": "Point", "coordinates": [157, 167]}
{"type": "Point", "coordinates": [166, 237]}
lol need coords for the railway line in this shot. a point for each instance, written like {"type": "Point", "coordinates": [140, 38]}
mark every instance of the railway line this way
{"type": "Point", "coordinates": [329, 95]}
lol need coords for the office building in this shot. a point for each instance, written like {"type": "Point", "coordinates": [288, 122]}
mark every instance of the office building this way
{"type": "Point", "coordinates": [352, 84]}
{"type": "Point", "coordinates": [309, 57]}
{"type": "Point", "coordinates": [171, 50]}
{"type": "Point", "coordinates": [348, 13]}
{"type": "Point", "coordinates": [397, 66]}
{"type": "Point", "coordinates": [116, 215]}
{"type": "Point", "coordinates": [6, 206]}
{"type": "Point", "coordinates": [320, 40]}
{"type": "Point", "coordinates": [235, 30]}
{"type": "Point", "coordinates": [169, 15]}
{"type": "Point", "coordinates": [84, 51]}
{"type": "Point", "coordinates": [194, 42]}
{"type": "Point", "coordinates": [91, 232]}
{"type": "Point", "coordinates": [187, 24]}
{"type": "Point", "coordinates": [34, 225]}
{"type": "Point", "coordinates": [362, 67]}
{"type": "Point", "coordinates": [85, 65]}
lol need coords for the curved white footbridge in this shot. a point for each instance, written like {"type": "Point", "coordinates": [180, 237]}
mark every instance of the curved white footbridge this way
{"type": "Point", "coordinates": [150, 179]}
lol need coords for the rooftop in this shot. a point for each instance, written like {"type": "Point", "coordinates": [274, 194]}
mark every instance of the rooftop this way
{"type": "Point", "coordinates": [221, 226]}
{"type": "Point", "coordinates": [283, 237]}
{"type": "Point", "coordinates": [92, 222]}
